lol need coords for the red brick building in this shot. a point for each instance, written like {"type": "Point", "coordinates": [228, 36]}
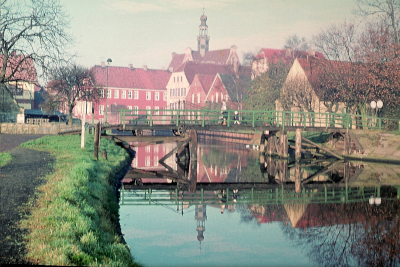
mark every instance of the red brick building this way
{"type": "Point", "coordinates": [128, 88]}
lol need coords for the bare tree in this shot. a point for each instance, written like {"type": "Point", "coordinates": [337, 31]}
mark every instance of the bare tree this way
{"type": "Point", "coordinates": [338, 42]}
{"type": "Point", "coordinates": [298, 92]}
{"type": "Point", "coordinates": [31, 30]}
{"type": "Point", "coordinates": [72, 83]}
{"type": "Point", "coordinates": [296, 44]}
{"type": "Point", "coordinates": [389, 8]}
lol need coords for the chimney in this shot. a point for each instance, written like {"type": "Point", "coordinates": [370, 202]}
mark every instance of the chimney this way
{"type": "Point", "coordinates": [130, 66]}
{"type": "Point", "coordinates": [145, 67]}
{"type": "Point", "coordinates": [103, 64]}
{"type": "Point", "coordinates": [311, 52]}
{"type": "Point", "coordinates": [236, 68]}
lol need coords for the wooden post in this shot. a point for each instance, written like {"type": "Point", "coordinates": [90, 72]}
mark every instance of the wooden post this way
{"type": "Point", "coordinates": [104, 154]}
{"type": "Point", "coordinates": [271, 145]}
{"type": "Point", "coordinates": [83, 132]}
{"type": "Point", "coordinates": [262, 143]}
{"type": "Point", "coordinates": [298, 145]}
{"type": "Point", "coordinates": [283, 145]}
{"type": "Point", "coordinates": [193, 160]}
{"type": "Point", "coordinates": [96, 141]}
{"type": "Point", "coordinates": [347, 143]}
{"type": "Point", "coordinates": [297, 181]}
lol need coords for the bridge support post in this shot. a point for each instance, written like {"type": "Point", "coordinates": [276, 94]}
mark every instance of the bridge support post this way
{"type": "Point", "coordinates": [283, 145]}
{"type": "Point", "coordinates": [298, 145]}
{"type": "Point", "coordinates": [193, 160]}
{"type": "Point", "coordinates": [262, 143]}
{"type": "Point", "coordinates": [297, 181]}
{"type": "Point", "coordinates": [271, 144]}
{"type": "Point", "coordinates": [347, 143]}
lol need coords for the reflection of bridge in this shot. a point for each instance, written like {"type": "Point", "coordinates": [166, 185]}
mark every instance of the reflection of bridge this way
{"type": "Point", "coordinates": [266, 195]}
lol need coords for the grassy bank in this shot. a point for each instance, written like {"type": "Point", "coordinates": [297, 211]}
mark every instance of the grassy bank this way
{"type": "Point", "coordinates": [5, 157]}
{"type": "Point", "coordinates": [73, 221]}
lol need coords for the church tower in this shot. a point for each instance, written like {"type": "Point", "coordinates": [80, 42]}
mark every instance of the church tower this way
{"type": "Point", "coordinates": [203, 38]}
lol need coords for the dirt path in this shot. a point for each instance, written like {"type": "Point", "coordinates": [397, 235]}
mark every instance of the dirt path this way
{"type": "Point", "coordinates": [19, 180]}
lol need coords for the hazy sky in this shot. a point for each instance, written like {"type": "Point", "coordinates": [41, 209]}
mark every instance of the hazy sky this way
{"type": "Point", "coordinates": [143, 32]}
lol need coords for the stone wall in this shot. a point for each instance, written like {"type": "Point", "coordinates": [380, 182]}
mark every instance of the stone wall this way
{"type": "Point", "coordinates": [44, 128]}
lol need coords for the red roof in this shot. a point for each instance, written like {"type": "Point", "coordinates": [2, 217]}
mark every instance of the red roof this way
{"type": "Point", "coordinates": [125, 77]}
{"type": "Point", "coordinates": [277, 54]}
{"type": "Point", "coordinates": [191, 68]}
{"type": "Point", "coordinates": [26, 70]}
{"type": "Point", "coordinates": [219, 57]}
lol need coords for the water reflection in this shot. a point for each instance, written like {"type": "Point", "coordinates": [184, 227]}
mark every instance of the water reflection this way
{"type": "Point", "coordinates": [268, 211]}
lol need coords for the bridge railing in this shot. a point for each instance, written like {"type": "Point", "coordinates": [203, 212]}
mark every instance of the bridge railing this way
{"type": "Point", "coordinates": [255, 118]}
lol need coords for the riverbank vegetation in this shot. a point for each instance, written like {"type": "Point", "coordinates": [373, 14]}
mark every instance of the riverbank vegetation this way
{"type": "Point", "coordinates": [5, 157]}
{"type": "Point", "coordinates": [74, 219]}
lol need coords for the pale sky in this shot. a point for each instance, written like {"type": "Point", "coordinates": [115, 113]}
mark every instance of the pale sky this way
{"type": "Point", "coordinates": [143, 32]}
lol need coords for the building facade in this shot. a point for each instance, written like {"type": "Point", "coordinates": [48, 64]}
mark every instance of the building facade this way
{"type": "Point", "coordinates": [126, 88]}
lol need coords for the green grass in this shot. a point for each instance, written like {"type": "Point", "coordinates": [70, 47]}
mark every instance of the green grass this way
{"type": "Point", "coordinates": [74, 219]}
{"type": "Point", "coordinates": [5, 157]}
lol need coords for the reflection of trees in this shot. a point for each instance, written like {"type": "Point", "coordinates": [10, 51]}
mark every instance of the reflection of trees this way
{"type": "Point", "coordinates": [350, 234]}
{"type": "Point", "coordinates": [218, 158]}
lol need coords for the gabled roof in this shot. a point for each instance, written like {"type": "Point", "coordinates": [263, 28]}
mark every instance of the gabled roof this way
{"type": "Point", "coordinates": [277, 54]}
{"type": "Point", "coordinates": [206, 81]}
{"type": "Point", "coordinates": [26, 70]}
{"type": "Point", "coordinates": [191, 68]}
{"type": "Point", "coordinates": [125, 77]}
{"type": "Point", "coordinates": [219, 57]}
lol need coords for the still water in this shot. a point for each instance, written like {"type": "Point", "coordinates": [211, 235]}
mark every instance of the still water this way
{"type": "Point", "coordinates": [346, 216]}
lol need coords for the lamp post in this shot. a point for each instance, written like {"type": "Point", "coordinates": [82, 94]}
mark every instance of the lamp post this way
{"type": "Point", "coordinates": [108, 63]}
{"type": "Point", "coordinates": [376, 105]}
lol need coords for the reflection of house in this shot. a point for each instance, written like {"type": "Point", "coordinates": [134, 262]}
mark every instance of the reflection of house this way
{"type": "Point", "coordinates": [128, 88]}
{"type": "Point", "coordinates": [24, 83]}
{"type": "Point", "coordinates": [260, 61]}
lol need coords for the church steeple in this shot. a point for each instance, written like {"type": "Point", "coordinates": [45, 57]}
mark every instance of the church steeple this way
{"type": "Point", "coordinates": [203, 38]}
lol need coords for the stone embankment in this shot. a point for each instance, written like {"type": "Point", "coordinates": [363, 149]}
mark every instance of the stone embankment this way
{"type": "Point", "coordinates": [43, 128]}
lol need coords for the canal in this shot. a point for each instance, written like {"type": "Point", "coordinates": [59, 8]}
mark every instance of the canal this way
{"type": "Point", "coordinates": [341, 214]}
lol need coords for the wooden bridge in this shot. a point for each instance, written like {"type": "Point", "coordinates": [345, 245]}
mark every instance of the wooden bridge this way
{"type": "Point", "coordinates": [179, 121]}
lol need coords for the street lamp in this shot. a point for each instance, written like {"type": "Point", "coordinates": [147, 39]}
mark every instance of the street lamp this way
{"type": "Point", "coordinates": [108, 63]}
{"type": "Point", "coordinates": [376, 105]}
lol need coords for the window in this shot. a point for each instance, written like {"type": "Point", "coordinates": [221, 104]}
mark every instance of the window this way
{"type": "Point", "coordinates": [222, 96]}
{"type": "Point", "coordinates": [157, 96]}
{"type": "Point", "coordinates": [16, 89]}
{"type": "Point", "coordinates": [212, 99]}
{"type": "Point", "coordinates": [135, 110]}
{"type": "Point", "coordinates": [108, 93]}
{"type": "Point", "coordinates": [198, 98]}
{"type": "Point", "coordinates": [101, 110]}
{"type": "Point", "coordinates": [155, 161]}
{"type": "Point", "coordinates": [170, 92]}
{"type": "Point", "coordinates": [165, 96]}
{"type": "Point", "coordinates": [184, 91]}
{"type": "Point", "coordinates": [181, 78]}
{"type": "Point", "coordinates": [216, 98]}
{"type": "Point", "coordinates": [135, 162]}
{"type": "Point", "coordinates": [136, 95]}
{"type": "Point", "coordinates": [129, 94]}
{"type": "Point", "coordinates": [148, 108]}
{"type": "Point", "coordinates": [192, 98]}
{"type": "Point", "coordinates": [148, 95]}
{"type": "Point", "coordinates": [130, 107]}
{"type": "Point", "coordinates": [147, 149]}
{"type": "Point", "coordinates": [147, 161]}
{"type": "Point", "coordinates": [116, 93]}
{"type": "Point", "coordinates": [123, 94]}
{"type": "Point", "coordinates": [157, 112]}
{"type": "Point", "coordinates": [174, 79]}
{"type": "Point", "coordinates": [102, 93]}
